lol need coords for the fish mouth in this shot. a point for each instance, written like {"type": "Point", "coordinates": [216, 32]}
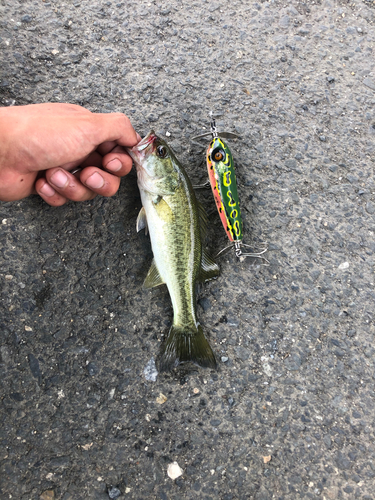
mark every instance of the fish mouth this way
{"type": "Point", "coordinates": [143, 149]}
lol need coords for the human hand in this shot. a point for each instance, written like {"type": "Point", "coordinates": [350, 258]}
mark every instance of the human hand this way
{"type": "Point", "coordinates": [41, 143]}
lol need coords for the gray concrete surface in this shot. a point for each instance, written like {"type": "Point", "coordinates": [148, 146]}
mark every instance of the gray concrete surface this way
{"type": "Point", "coordinates": [290, 414]}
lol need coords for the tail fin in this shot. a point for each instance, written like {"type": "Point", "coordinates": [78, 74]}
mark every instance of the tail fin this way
{"type": "Point", "coordinates": [183, 345]}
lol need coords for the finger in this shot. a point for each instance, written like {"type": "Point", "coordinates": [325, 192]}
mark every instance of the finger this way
{"type": "Point", "coordinates": [48, 194]}
{"type": "Point", "coordinates": [108, 146]}
{"type": "Point", "coordinates": [113, 127]}
{"type": "Point", "coordinates": [68, 185]}
{"type": "Point", "coordinates": [91, 159]}
{"type": "Point", "coordinates": [117, 162]}
{"type": "Point", "coordinates": [100, 181]}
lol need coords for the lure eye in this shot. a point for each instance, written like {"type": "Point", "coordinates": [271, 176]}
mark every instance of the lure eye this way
{"type": "Point", "coordinates": [161, 151]}
{"type": "Point", "coordinates": [218, 155]}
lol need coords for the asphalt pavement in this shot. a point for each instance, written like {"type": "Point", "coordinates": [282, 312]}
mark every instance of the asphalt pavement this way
{"type": "Point", "coordinates": [290, 412]}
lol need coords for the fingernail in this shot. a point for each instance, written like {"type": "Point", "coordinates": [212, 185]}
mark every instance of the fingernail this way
{"type": "Point", "coordinates": [95, 181]}
{"type": "Point", "coordinates": [114, 165]}
{"type": "Point", "coordinates": [47, 190]}
{"type": "Point", "coordinates": [59, 179]}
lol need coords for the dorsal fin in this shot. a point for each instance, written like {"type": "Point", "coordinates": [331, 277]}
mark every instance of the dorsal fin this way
{"type": "Point", "coordinates": [209, 268]}
{"type": "Point", "coordinates": [153, 277]}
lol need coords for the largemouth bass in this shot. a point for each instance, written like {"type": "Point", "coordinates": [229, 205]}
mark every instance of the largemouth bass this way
{"type": "Point", "coordinates": [176, 222]}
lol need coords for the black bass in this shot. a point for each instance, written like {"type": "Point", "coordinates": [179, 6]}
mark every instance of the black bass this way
{"type": "Point", "coordinates": [175, 221]}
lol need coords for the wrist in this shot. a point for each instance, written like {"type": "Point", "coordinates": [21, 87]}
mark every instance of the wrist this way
{"type": "Point", "coordinates": [15, 182]}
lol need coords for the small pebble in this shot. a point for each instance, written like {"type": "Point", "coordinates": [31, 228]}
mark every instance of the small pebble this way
{"type": "Point", "coordinates": [92, 369]}
{"type": "Point", "coordinates": [8, 277]}
{"type": "Point", "coordinates": [114, 493]}
{"type": "Point", "coordinates": [174, 470]}
{"type": "Point", "coordinates": [161, 399]}
{"type": "Point", "coordinates": [224, 359]}
{"type": "Point", "coordinates": [47, 495]}
{"type": "Point", "coordinates": [343, 266]}
{"type": "Point", "coordinates": [26, 18]}
{"type": "Point", "coordinates": [215, 422]}
{"type": "Point", "coordinates": [150, 372]}
{"type": "Point", "coordinates": [370, 208]}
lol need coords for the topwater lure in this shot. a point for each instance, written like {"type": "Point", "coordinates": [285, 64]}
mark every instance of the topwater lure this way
{"type": "Point", "coordinates": [223, 182]}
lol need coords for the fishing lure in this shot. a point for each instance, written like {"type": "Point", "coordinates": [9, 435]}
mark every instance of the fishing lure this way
{"type": "Point", "coordinates": [223, 183]}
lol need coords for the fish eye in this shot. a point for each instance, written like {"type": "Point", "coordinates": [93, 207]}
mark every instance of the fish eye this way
{"type": "Point", "coordinates": [161, 151]}
{"type": "Point", "coordinates": [218, 155]}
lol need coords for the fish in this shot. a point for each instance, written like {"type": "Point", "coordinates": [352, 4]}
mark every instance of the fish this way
{"type": "Point", "coordinates": [177, 224]}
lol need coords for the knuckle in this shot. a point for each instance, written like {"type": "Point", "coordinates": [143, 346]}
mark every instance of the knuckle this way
{"type": "Point", "coordinates": [123, 119]}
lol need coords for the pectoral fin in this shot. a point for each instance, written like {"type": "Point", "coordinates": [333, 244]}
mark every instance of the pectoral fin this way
{"type": "Point", "coordinates": [142, 220]}
{"type": "Point", "coordinates": [153, 277]}
{"type": "Point", "coordinates": [209, 268]}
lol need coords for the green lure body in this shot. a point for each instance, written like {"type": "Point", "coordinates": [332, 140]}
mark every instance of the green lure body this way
{"type": "Point", "coordinates": [224, 187]}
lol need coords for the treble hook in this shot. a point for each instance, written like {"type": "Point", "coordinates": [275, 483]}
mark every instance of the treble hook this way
{"type": "Point", "coordinates": [214, 132]}
{"type": "Point", "coordinates": [238, 245]}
